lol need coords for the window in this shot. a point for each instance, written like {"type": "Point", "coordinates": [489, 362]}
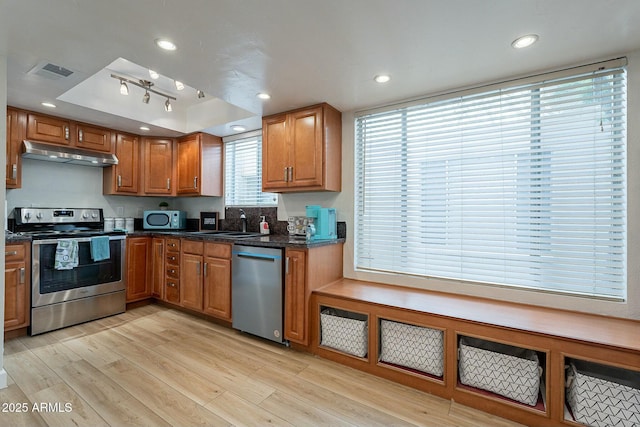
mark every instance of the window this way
{"type": "Point", "coordinates": [521, 184]}
{"type": "Point", "coordinates": [243, 172]}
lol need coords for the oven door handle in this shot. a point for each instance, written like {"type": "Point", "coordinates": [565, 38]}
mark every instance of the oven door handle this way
{"type": "Point", "coordinates": [79, 240]}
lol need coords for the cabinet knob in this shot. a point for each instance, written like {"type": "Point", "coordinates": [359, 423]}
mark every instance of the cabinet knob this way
{"type": "Point", "coordinates": [171, 285]}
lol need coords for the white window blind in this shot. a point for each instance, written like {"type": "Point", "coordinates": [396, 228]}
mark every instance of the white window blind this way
{"type": "Point", "coordinates": [519, 185]}
{"type": "Point", "coordinates": [243, 172]}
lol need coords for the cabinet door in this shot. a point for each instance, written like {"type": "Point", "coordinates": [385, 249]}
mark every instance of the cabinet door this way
{"type": "Point", "coordinates": [48, 129]}
{"type": "Point", "coordinates": [16, 131]}
{"type": "Point", "coordinates": [157, 271]}
{"type": "Point", "coordinates": [93, 138]}
{"type": "Point", "coordinates": [138, 266]}
{"type": "Point", "coordinates": [191, 281]}
{"type": "Point", "coordinates": [125, 173]}
{"type": "Point", "coordinates": [15, 302]}
{"type": "Point", "coordinates": [217, 287]}
{"type": "Point", "coordinates": [158, 166]}
{"type": "Point", "coordinates": [275, 153]}
{"type": "Point", "coordinates": [295, 307]}
{"type": "Point", "coordinates": [189, 165]}
{"type": "Point", "coordinates": [305, 148]}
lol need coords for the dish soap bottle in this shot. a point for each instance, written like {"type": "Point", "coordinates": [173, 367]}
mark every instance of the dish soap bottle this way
{"type": "Point", "coordinates": [264, 225]}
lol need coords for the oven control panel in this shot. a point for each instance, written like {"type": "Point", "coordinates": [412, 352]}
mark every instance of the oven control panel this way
{"type": "Point", "coordinates": [57, 215]}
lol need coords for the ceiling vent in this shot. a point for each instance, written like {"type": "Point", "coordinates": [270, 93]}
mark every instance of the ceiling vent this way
{"type": "Point", "coordinates": [50, 71]}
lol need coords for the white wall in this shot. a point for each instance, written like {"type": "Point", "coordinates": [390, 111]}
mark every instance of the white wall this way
{"type": "Point", "coordinates": [630, 309]}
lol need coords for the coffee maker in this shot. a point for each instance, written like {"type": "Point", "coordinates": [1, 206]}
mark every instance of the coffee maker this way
{"type": "Point", "coordinates": [324, 223]}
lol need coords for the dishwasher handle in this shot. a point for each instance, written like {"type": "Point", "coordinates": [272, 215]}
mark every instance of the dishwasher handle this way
{"type": "Point", "coordinates": [257, 256]}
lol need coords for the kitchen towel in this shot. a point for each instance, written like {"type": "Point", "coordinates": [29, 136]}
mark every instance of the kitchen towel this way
{"type": "Point", "coordinates": [66, 254]}
{"type": "Point", "coordinates": [100, 248]}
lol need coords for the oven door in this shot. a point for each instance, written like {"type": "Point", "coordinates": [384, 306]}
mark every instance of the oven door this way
{"type": "Point", "coordinates": [89, 278]}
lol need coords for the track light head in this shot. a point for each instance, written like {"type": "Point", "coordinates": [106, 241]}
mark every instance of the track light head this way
{"type": "Point", "coordinates": [146, 97]}
{"type": "Point", "coordinates": [124, 89]}
{"type": "Point", "coordinates": [167, 106]}
{"type": "Point", "coordinates": [200, 94]}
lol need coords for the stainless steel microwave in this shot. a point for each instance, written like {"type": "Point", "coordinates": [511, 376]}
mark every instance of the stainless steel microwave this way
{"type": "Point", "coordinates": [164, 220]}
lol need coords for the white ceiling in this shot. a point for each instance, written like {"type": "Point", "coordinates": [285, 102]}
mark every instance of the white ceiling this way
{"type": "Point", "coordinates": [300, 51]}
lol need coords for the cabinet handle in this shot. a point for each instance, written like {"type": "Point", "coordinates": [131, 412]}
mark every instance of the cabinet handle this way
{"type": "Point", "coordinates": [198, 268]}
{"type": "Point", "coordinates": [66, 133]}
{"type": "Point", "coordinates": [286, 174]}
{"type": "Point", "coordinates": [11, 253]}
{"type": "Point", "coordinates": [290, 173]}
{"type": "Point", "coordinates": [168, 183]}
{"type": "Point", "coordinates": [286, 265]}
{"type": "Point", "coordinates": [14, 171]}
{"type": "Point", "coordinates": [205, 269]}
{"type": "Point", "coordinates": [119, 180]}
{"type": "Point", "coordinates": [80, 135]}
{"type": "Point", "coordinates": [195, 182]}
{"type": "Point", "coordinates": [21, 275]}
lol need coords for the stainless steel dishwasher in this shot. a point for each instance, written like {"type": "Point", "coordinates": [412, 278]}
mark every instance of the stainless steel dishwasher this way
{"type": "Point", "coordinates": [256, 291]}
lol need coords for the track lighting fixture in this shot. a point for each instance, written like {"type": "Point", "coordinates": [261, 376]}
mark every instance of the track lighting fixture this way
{"type": "Point", "coordinates": [124, 89]}
{"type": "Point", "coordinates": [200, 94]}
{"type": "Point", "coordinates": [147, 86]}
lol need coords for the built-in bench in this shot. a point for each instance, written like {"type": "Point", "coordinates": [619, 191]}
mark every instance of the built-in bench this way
{"type": "Point", "coordinates": [556, 337]}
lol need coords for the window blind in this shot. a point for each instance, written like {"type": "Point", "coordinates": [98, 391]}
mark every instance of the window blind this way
{"type": "Point", "coordinates": [243, 172]}
{"type": "Point", "coordinates": [520, 185]}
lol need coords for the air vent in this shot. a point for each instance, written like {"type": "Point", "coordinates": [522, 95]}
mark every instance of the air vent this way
{"type": "Point", "coordinates": [50, 71]}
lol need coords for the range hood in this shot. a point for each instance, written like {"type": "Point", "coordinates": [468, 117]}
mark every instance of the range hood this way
{"type": "Point", "coordinates": [61, 154]}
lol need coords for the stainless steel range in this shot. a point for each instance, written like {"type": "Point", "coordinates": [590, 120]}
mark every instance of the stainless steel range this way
{"type": "Point", "coordinates": [64, 295]}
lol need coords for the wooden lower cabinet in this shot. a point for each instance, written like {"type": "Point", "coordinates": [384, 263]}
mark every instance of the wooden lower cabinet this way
{"type": "Point", "coordinates": [217, 280]}
{"type": "Point", "coordinates": [157, 269]}
{"type": "Point", "coordinates": [307, 270]}
{"type": "Point", "coordinates": [139, 263]}
{"type": "Point", "coordinates": [17, 290]}
{"type": "Point", "coordinates": [191, 281]}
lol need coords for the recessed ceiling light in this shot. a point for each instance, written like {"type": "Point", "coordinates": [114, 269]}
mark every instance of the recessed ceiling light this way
{"type": "Point", "coordinates": [524, 41]}
{"type": "Point", "coordinates": [48, 105]}
{"type": "Point", "coordinates": [238, 128]}
{"type": "Point", "coordinates": [263, 95]}
{"type": "Point", "coordinates": [382, 78]}
{"type": "Point", "coordinates": [145, 128]}
{"type": "Point", "coordinates": [165, 44]}
{"type": "Point", "coordinates": [179, 85]}
{"type": "Point", "coordinates": [154, 75]}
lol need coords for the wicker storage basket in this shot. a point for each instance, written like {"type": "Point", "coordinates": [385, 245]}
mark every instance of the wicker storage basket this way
{"type": "Point", "coordinates": [600, 395]}
{"type": "Point", "coordinates": [414, 347]}
{"type": "Point", "coordinates": [509, 371]}
{"type": "Point", "coordinates": [344, 331]}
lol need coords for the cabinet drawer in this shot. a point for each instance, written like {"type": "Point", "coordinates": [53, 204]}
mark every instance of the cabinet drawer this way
{"type": "Point", "coordinates": [173, 245]}
{"type": "Point", "coordinates": [173, 258]}
{"type": "Point", "coordinates": [218, 250]}
{"type": "Point", "coordinates": [172, 291]}
{"type": "Point", "coordinates": [14, 253]}
{"type": "Point", "coordinates": [192, 247]}
{"type": "Point", "coordinates": [173, 271]}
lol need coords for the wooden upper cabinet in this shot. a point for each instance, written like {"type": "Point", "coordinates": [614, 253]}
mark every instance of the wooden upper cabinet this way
{"type": "Point", "coordinates": [16, 130]}
{"type": "Point", "coordinates": [157, 159]}
{"type": "Point", "coordinates": [93, 138]}
{"type": "Point", "coordinates": [48, 129]}
{"type": "Point", "coordinates": [199, 165]}
{"type": "Point", "coordinates": [123, 178]}
{"type": "Point", "coordinates": [302, 150]}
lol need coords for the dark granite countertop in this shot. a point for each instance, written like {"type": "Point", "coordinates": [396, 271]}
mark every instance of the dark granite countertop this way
{"type": "Point", "coordinates": [270, 241]}
{"type": "Point", "coordinates": [10, 237]}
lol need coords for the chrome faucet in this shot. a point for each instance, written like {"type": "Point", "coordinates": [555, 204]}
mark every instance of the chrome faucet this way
{"type": "Point", "coordinates": [243, 219]}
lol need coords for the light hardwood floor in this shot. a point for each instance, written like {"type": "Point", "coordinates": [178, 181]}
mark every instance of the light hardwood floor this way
{"type": "Point", "coordinates": [154, 366]}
